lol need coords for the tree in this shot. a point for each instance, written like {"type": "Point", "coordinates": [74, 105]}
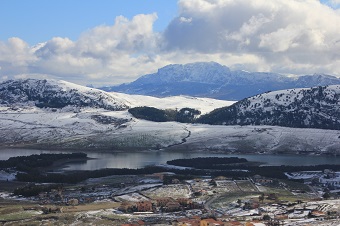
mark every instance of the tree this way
{"type": "Point", "coordinates": [326, 195]}
{"type": "Point", "coordinates": [261, 197]}
{"type": "Point", "coordinates": [266, 217]}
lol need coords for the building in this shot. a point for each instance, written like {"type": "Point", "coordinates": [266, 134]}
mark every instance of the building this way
{"type": "Point", "coordinates": [172, 206]}
{"type": "Point", "coordinates": [161, 202]}
{"type": "Point", "coordinates": [184, 201]}
{"type": "Point", "coordinates": [138, 223]}
{"type": "Point", "coordinates": [194, 221]}
{"type": "Point", "coordinates": [262, 180]}
{"type": "Point", "coordinates": [211, 222]}
{"type": "Point", "coordinates": [233, 223]}
{"type": "Point", "coordinates": [144, 206]}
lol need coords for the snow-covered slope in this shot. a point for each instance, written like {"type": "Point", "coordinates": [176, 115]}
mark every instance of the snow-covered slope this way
{"type": "Point", "coordinates": [55, 94]}
{"type": "Point", "coordinates": [49, 113]}
{"type": "Point", "coordinates": [317, 107]}
{"type": "Point", "coordinates": [263, 139]}
{"type": "Point", "coordinates": [61, 94]}
{"type": "Point", "coordinates": [210, 79]}
{"type": "Point", "coordinates": [99, 129]}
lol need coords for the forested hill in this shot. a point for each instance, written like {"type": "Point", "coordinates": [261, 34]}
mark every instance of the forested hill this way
{"type": "Point", "coordinates": [317, 107]}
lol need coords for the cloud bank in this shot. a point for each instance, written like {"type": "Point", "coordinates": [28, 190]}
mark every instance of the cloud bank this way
{"type": "Point", "coordinates": [291, 36]}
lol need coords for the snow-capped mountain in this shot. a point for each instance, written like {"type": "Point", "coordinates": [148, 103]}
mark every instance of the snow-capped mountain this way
{"type": "Point", "coordinates": [55, 94]}
{"type": "Point", "coordinates": [210, 79]}
{"type": "Point", "coordinates": [317, 107]}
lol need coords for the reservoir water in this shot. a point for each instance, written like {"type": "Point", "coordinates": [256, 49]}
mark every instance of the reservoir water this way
{"type": "Point", "coordinates": [135, 160]}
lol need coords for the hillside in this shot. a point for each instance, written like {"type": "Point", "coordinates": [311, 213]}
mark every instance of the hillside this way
{"type": "Point", "coordinates": [57, 114]}
{"type": "Point", "coordinates": [48, 114]}
{"type": "Point", "coordinates": [317, 107]}
{"type": "Point", "coordinates": [210, 79]}
{"type": "Point", "coordinates": [55, 94]}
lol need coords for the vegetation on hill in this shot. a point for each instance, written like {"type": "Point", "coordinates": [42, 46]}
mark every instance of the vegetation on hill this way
{"type": "Point", "coordinates": [184, 115]}
{"type": "Point", "coordinates": [308, 108]}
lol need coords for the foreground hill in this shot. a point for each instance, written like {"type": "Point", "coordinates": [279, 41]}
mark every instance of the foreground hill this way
{"type": "Point", "coordinates": [216, 81]}
{"type": "Point", "coordinates": [55, 94]}
{"type": "Point", "coordinates": [317, 107]}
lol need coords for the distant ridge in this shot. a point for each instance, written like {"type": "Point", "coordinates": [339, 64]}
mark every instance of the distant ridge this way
{"type": "Point", "coordinates": [210, 79]}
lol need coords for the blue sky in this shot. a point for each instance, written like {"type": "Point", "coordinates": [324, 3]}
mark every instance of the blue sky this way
{"type": "Point", "coordinates": [40, 20]}
{"type": "Point", "coordinates": [114, 41]}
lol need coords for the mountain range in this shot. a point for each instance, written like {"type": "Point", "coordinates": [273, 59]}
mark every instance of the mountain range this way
{"type": "Point", "coordinates": [210, 79]}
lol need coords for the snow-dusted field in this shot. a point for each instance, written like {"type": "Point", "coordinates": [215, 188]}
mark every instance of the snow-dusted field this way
{"type": "Point", "coordinates": [264, 138]}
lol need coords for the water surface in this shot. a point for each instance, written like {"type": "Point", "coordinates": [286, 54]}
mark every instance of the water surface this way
{"type": "Point", "coordinates": [135, 160]}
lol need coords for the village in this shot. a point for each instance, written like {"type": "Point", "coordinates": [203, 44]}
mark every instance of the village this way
{"type": "Point", "coordinates": [147, 200]}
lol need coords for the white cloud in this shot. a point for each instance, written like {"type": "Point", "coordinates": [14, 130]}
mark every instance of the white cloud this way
{"type": "Point", "coordinates": [279, 32]}
{"type": "Point", "coordinates": [104, 54]}
{"type": "Point", "coordinates": [290, 36]}
{"type": "Point", "coordinates": [185, 20]}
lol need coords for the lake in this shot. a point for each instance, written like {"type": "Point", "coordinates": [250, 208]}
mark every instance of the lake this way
{"type": "Point", "coordinates": [135, 160]}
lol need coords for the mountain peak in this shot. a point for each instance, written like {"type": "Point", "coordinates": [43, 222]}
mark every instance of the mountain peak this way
{"type": "Point", "coordinates": [203, 72]}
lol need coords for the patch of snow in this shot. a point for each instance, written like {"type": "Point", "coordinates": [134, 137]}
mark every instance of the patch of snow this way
{"type": "Point", "coordinates": [9, 176]}
{"type": "Point", "coordinates": [204, 105]}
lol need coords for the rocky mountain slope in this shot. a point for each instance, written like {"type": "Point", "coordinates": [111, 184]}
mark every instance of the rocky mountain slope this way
{"type": "Point", "coordinates": [317, 107]}
{"type": "Point", "coordinates": [210, 79]}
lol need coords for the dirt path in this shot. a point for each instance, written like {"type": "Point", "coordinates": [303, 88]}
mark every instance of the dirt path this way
{"type": "Point", "coordinates": [183, 139]}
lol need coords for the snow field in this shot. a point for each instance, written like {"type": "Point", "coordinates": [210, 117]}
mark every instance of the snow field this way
{"type": "Point", "coordinates": [39, 126]}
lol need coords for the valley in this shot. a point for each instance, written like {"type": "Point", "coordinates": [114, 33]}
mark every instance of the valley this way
{"type": "Point", "coordinates": [170, 113]}
{"type": "Point", "coordinates": [169, 194]}
{"type": "Point", "coordinates": [128, 176]}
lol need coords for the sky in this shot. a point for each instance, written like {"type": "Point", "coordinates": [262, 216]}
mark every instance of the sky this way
{"type": "Point", "coordinates": [112, 42]}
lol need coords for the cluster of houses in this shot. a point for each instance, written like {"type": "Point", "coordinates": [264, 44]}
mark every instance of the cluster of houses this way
{"type": "Point", "coordinates": [197, 221]}
{"type": "Point", "coordinates": [159, 205]}
{"type": "Point", "coordinates": [327, 178]}
{"type": "Point", "coordinates": [57, 196]}
{"type": "Point", "coordinates": [299, 213]}
{"type": "Point", "coordinates": [252, 211]}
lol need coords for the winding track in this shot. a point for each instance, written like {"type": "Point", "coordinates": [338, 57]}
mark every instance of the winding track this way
{"type": "Point", "coordinates": [183, 139]}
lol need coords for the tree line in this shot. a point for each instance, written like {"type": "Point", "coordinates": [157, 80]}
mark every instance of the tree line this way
{"type": "Point", "coordinates": [184, 115]}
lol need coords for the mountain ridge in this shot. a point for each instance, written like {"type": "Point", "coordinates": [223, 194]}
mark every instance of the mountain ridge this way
{"type": "Point", "coordinates": [55, 94]}
{"type": "Point", "coordinates": [213, 80]}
